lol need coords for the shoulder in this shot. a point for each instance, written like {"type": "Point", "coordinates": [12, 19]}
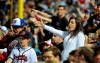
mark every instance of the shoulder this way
{"type": "Point", "coordinates": [31, 49]}
{"type": "Point", "coordinates": [15, 49]}
{"type": "Point", "coordinates": [54, 17]}
{"type": "Point", "coordinates": [81, 33]}
{"type": "Point", "coordinates": [94, 16]}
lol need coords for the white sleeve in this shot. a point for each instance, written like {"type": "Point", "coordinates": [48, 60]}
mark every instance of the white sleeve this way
{"type": "Point", "coordinates": [55, 31]}
{"type": "Point", "coordinates": [33, 56]}
{"type": "Point", "coordinates": [4, 50]}
{"type": "Point", "coordinates": [12, 54]}
{"type": "Point", "coordinates": [80, 40]}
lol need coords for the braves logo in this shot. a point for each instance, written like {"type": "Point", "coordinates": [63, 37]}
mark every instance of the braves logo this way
{"type": "Point", "coordinates": [21, 57]}
{"type": "Point", "coordinates": [14, 21]}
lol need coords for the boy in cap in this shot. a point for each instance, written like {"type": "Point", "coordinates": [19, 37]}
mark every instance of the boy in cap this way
{"type": "Point", "coordinates": [24, 53]}
{"type": "Point", "coordinates": [18, 26]}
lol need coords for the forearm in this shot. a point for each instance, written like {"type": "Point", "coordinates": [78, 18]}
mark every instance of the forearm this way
{"type": "Point", "coordinates": [9, 60]}
{"type": "Point", "coordinates": [80, 13]}
{"type": "Point", "coordinates": [44, 18]}
{"type": "Point", "coordinates": [3, 50]}
{"type": "Point", "coordinates": [54, 31]}
{"type": "Point", "coordinates": [44, 14]}
{"type": "Point", "coordinates": [41, 30]}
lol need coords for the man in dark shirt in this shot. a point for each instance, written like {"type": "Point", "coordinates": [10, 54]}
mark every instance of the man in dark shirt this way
{"type": "Point", "coordinates": [60, 21]}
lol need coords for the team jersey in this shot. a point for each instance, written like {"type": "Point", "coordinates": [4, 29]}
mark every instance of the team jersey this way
{"type": "Point", "coordinates": [21, 55]}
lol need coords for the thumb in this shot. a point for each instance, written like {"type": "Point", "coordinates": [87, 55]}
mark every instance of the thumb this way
{"type": "Point", "coordinates": [42, 23]}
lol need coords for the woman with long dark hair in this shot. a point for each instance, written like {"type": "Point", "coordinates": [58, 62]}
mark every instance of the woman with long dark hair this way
{"type": "Point", "coordinates": [73, 38]}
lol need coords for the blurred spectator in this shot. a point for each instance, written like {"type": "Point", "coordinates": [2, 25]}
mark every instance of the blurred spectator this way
{"type": "Point", "coordinates": [96, 56]}
{"type": "Point", "coordinates": [52, 53]}
{"type": "Point", "coordinates": [84, 16]}
{"type": "Point", "coordinates": [1, 17]}
{"type": "Point", "coordinates": [58, 42]}
{"type": "Point", "coordinates": [73, 57]}
{"type": "Point", "coordinates": [53, 61]}
{"type": "Point", "coordinates": [47, 44]}
{"type": "Point", "coordinates": [3, 31]}
{"type": "Point", "coordinates": [94, 21]}
{"type": "Point", "coordinates": [85, 55]}
{"type": "Point", "coordinates": [2, 4]}
{"type": "Point", "coordinates": [7, 39]}
{"type": "Point", "coordinates": [60, 21]}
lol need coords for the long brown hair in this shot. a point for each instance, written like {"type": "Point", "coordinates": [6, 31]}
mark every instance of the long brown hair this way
{"type": "Point", "coordinates": [78, 28]}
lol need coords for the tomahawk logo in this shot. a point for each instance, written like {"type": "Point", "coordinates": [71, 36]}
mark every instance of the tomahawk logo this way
{"type": "Point", "coordinates": [14, 21]}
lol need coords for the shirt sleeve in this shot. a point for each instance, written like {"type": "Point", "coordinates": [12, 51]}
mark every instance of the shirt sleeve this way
{"type": "Point", "coordinates": [55, 31]}
{"type": "Point", "coordinates": [80, 40]}
{"type": "Point", "coordinates": [11, 54]}
{"type": "Point", "coordinates": [33, 56]}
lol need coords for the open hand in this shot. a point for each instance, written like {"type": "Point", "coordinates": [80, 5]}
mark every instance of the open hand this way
{"type": "Point", "coordinates": [39, 23]}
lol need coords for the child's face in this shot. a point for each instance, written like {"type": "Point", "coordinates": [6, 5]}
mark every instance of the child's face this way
{"type": "Point", "coordinates": [24, 41]}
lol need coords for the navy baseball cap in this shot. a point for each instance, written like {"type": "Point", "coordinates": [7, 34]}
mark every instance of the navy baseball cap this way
{"type": "Point", "coordinates": [18, 22]}
{"type": "Point", "coordinates": [24, 34]}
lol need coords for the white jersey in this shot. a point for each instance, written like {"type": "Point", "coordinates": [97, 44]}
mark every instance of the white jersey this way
{"type": "Point", "coordinates": [20, 55]}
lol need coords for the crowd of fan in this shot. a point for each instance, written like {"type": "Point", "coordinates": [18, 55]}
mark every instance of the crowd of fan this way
{"type": "Point", "coordinates": [55, 13]}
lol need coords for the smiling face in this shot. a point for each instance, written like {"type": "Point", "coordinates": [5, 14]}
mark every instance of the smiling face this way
{"type": "Point", "coordinates": [72, 25]}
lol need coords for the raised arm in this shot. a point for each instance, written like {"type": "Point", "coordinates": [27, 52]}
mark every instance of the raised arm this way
{"type": "Point", "coordinates": [51, 29]}
{"type": "Point", "coordinates": [44, 18]}
{"type": "Point", "coordinates": [80, 13]}
{"type": "Point", "coordinates": [42, 13]}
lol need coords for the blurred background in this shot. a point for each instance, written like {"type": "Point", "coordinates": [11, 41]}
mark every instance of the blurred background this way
{"type": "Point", "coordinates": [10, 9]}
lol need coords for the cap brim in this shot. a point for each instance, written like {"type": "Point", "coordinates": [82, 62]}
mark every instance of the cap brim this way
{"type": "Point", "coordinates": [23, 36]}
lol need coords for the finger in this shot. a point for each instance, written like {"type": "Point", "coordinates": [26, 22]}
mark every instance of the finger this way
{"type": "Point", "coordinates": [41, 21]}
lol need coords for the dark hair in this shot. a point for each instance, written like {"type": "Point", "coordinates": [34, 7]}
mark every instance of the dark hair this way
{"type": "Point", "coordinates": [62, 6]}
{"type": "Point", "coordinates": [96, 51]}
{"type": "Point", "coordinates": [98, 4]}
{"type": "Point", "coordinates": [86, 11]}
{"type": "Point", "coordinates": [79, 26]}
{"type": "Point", "coordinates": [87, 53]}
{"type": "Point", "coordinates": [55, 51]}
